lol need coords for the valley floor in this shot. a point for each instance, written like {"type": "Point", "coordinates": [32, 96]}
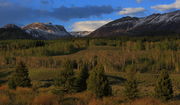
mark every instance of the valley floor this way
{"type": "Point", "coordinates": [147, 58]}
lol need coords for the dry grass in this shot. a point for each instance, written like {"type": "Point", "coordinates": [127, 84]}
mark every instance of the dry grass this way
{"type": "Point", "coordinates": [145, 101]}
{"type": "Point", "coordinates": [151, 101]}
{"type": "Point", "coordinates": [80, 98]}
{"type": "Point", "coordinates": [4, 100]}
{"type": "Point", "coordinates": [46, 99]}
{"type": "Point", "coordinates": [96, 102]}
{"type": "Point", "coordinates": [26, 96]}
{"type": "Point", "coordinates": [4, 87]}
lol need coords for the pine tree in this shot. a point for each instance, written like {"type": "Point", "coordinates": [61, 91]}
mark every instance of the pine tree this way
{"type": "Point", "coordinates": [98, 83]}
{"type": "Point", "coordinates": [66, 77]}
{"type": "Point", "coordinates": [20, 77]}
{"type": "Point", "coordinates": [164, 88]}
{"type": "Point", "coordinates": [131, 86]}
{"type": "Point", "coordinates": [11, 83]}
{"type": "Point", "coordinates": [80, 82]}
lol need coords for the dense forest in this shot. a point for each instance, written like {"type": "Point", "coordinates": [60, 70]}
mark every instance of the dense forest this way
{"type": "Point", "coordinates": [90, 71]}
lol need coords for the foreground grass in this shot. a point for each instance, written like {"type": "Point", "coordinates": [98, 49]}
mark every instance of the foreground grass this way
{"type": "Point", "coordinates": [28, 96]}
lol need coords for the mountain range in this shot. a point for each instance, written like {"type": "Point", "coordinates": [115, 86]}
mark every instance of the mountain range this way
{"type": "Point", "coordinates": [43, 31]}
{"type": "Point", "coordinates": [155, 24]}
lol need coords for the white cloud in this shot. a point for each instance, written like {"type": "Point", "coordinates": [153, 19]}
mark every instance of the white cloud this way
{"type": "Point", "coordinates": [88, 25]}
{"type": "Point", "coordinates": [131, 11]}
{"type": "Point", "coordinates": [175, 5]}
{"type": "Point", "coordinates": [139, 1]}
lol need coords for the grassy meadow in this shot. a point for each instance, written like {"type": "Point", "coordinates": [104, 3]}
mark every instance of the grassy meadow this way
{"type": "Point", "coordinates": [147, 56]}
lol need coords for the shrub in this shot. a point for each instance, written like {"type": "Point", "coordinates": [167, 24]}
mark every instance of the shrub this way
{"type": "Point", "coordinates": [66, 77]}
{"type": "Point", "coordinates": [164, 89]}
{"type": "Point", "coordinates": [11, 82]}
{"type": "Point", "coordinates": [20, 77]}
{"type": "Point", "coordinates": [131, 86]}
{"type": "Point", "coordinates": [80, 83]}
{"type": "Point", "coordinates": [98, 83]}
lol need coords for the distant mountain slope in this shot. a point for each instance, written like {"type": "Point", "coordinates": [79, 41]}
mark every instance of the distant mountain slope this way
{"type": "Point", "coordinates": [33, 31]}
{"type": "Point", "coordinates": [12, 31]}
{"type": "Point", "coordinates": [156, 24]}
{"type": "Point", "coordinates": [46, 31]}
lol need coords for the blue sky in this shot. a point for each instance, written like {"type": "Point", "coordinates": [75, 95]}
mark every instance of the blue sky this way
{"type": "Point", "coordinates": [79, 15]}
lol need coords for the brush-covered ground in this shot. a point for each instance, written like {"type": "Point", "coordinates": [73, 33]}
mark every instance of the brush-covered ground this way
{"type": "Point", "coordinates": [44, 59]}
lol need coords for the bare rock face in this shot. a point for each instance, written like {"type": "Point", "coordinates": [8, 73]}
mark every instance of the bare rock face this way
{"type": "Point", "coordinates": [46, 30]}
{"type": "Point", "coordinates": [155, 24]}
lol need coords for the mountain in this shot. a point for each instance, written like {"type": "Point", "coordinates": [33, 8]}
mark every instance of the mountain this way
{"type": "Point", "coordinates": [80, 33]}
{"type": "Point", "coordinates": [155, 24]}
{"type": "Point", "coordinates": [46, 31]}
{"type": "Point", "coordinates": [41, 31]}
{"type": "Point", "coordinates": [11, 31]}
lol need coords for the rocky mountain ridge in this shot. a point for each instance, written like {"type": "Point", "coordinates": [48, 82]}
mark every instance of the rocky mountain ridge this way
{"type": "Point", "coordinates": [155, 24]}
{"type": "Point", "coordinates": [44, 31]}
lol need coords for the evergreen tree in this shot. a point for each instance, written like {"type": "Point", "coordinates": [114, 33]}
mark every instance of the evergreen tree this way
{"type": "Point", "coordinates": [164, 88]}
{"type": "Point", "coordinates": [131, 86]}
{"type": "Point", "coordinates": [66, 77]}
{"type": "Point", "coordinates": [11, 83]}
{"type": "Point", "coordinates": [20, 77]}
{"type": "Point", "coordinates": [98, 83]}
{"type": "Point", "coordinates": [80, 82]}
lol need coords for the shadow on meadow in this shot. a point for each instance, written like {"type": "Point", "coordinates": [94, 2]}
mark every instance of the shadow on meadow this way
{"type": "Point", "coordinates": [4, 74]}
{"type": "Point", "coordinates": [114, 80]}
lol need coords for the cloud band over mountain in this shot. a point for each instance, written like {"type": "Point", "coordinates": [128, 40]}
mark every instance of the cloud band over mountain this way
{"type": "Point", "coordinates": [88, 25]}
{"type": "Point", "coordinates": [164, 7]}
{"type": "Point", "coordinates": [13, 13]}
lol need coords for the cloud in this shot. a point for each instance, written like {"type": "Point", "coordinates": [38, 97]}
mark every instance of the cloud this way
{"type": "Point", "coordinates": [88, 25]}
{"type": "Point", "coordinates": [12, 13]}
{"type": "Point", "coordinates": [67, 13]}
{"type": "Point", "coordinates": [175, 5]}
{"type": "Point", "coordinates": [132, 11]}
{"type": "Point", "coordinates": [17, 14]}
{"type": "Point", "coordinates": [139, 1]}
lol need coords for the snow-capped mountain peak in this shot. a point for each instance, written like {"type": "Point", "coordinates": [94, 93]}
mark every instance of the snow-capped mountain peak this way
{"type": "Point", "coordinates": [155, 24]}
{"type": "Point", "coordinates": [46, 30]}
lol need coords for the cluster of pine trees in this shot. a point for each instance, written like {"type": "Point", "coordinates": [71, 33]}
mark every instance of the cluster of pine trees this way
{"type": "Point", "coordinates": [88, 77]}
{"type": "Point", "coordinates": [163, 89]}
{"type": "Point", "coordinates": [91, 77]}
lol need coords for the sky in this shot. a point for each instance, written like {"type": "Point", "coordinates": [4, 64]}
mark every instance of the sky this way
{"type": "Point", "coordinates": [79, 15]}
